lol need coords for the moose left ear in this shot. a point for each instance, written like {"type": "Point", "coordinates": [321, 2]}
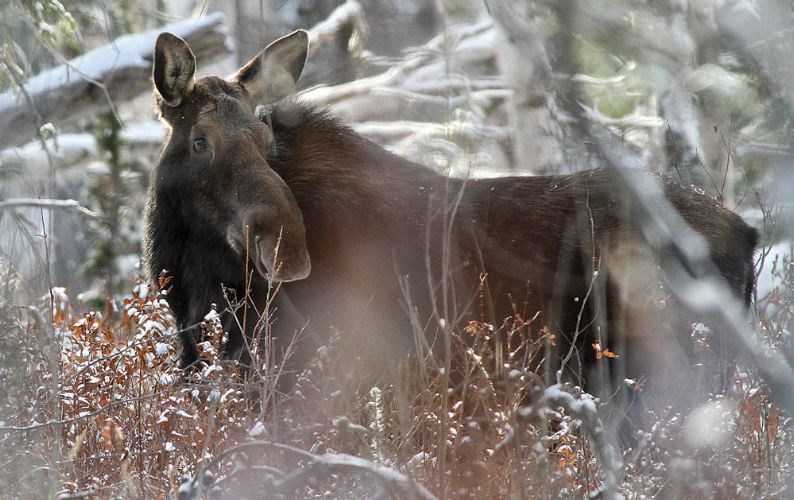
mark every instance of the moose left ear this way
{"type": "Point", "coordinates": [174, 71]}
{"type": "Point", "coordinates": [272, 74]}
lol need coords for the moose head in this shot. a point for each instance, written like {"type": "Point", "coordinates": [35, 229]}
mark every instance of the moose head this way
{"type": "Point", "coordinates": [214, 165]}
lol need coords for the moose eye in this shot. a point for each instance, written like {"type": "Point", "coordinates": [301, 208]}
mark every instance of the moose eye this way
{"type": "Point", "coordinates": [200, 145]}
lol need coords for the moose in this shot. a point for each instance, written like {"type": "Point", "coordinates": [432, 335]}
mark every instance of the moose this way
{"type": "Point", "coordinates": [214, 200]}
{"type": "Point", "coordinates": [373, 246]}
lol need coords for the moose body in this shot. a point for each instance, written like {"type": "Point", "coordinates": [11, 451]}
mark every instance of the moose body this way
{"type": "Point", "coordinates": [392, 240]}
{"type": "Point", "coordinates": [395, 247]}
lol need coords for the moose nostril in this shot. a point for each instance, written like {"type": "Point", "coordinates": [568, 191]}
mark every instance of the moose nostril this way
{"type": "Point", "coordinates": [200, 145]}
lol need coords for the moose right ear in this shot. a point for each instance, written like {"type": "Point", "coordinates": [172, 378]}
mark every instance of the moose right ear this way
{"type": "Point", "coordinates": [272, 74]}
{"type": "Point", "coordinates": [174, 70]}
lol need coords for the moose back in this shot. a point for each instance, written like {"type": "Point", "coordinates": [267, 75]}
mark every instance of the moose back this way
{"type": "Point", "coordinates": [395, 248]}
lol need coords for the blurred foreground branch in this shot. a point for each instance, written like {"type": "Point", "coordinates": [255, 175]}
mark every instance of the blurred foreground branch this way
{"type": "Point", "coordinates": [693, 278]}
{"type": "Point", "coordinates": [314, 468]}
{"type": "Point", "coordinates": [688, 269]}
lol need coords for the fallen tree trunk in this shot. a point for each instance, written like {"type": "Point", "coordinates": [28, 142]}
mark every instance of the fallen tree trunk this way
{"type": "Point", "coordinates": [140, 141]}
{"type": "Point", "coordinates": [99, 79]}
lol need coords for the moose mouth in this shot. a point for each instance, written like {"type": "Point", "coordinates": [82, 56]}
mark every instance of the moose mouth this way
{"type": "Point", "coordinates": [272, 260]}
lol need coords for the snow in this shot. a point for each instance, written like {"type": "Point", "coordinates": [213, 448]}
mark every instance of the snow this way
{"type": "Point", "coordinates": [150, 325]}
{"type": "Point", "coordinates": [342, 422]}
{"type": "Point", "coordinates": [257, 430]}
{"type": "Point", "coordinates": [584, 406]}
{"type": "Point", "coordinates": [184, 414]}
{"type": "Point", "coordinates": [59, 298]}
{"type": "Point", "coordinates": [766, 281]}
{"type": "Point", "coordinates": [711, 424]}
{"type": "Point", "coordinates": [142, 290]}
{"type": "Point", "coordinates": [45, 27]}
{"type": "Point", "coordinates": [417, 460]}
{"type": "Point", "coordinates": [700, 329]}
{"type": "Point", "coordinates": [186, 490]}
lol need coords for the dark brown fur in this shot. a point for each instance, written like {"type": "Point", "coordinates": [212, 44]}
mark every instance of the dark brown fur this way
{"type": "Point", "coordinates": [373, 218]}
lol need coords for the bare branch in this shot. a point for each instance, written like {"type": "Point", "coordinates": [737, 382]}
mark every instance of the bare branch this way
{"type": "Point", "coordinates": [48, 204]}
{"type": "Point", "coordinates": [399, 75]}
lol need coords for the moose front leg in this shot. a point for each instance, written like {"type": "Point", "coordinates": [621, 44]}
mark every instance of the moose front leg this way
{"type": "Point", "coordinates": [202, 301]}
{"type": "Point", "coordinates": [238, 345]}
{"type": "Point", "coordinates": [244, 326]}
{"type": "Point", "coordinates": [184, 307]}
{"type": "Point", "coordinates": [188, 336]}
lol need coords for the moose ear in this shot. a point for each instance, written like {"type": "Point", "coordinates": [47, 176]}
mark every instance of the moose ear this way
{"type": "Point", "coordinates": [272, 74]}
{"type": "Point", "coordinates": [174, 68]}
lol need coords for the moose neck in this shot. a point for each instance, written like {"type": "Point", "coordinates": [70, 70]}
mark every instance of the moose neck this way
{"type": "Point", "coordinates": [358, 185]}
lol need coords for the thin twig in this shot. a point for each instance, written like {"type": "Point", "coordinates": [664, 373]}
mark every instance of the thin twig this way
{"type": "Point", "coordinates": [48, 204]}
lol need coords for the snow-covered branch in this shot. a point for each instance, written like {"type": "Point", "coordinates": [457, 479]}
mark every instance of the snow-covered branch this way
{"type": "Point", "coordinates": [348, 13]}
{"type": "Point", "coordinates": [413, 98]}
{"type": "Point", "coordinates": [583, 408]}
{"type": "Point", "coordinates": [48, 205]}
{"type": "Point", "coordinates": [67, 150]}
{"type": "Point", "coordinates": [322, 466]}
{"type": "Point", "coordinates": [409, 74]}
{"type": "Point", "coordinates": [98, 79]}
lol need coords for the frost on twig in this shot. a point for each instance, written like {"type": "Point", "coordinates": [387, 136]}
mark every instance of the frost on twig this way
{"type": "Point", "coordinates": [583, 408]}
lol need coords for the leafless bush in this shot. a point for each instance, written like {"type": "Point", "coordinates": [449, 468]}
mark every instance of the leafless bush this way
{"type": "Point", "coordinates": [126, 421]}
